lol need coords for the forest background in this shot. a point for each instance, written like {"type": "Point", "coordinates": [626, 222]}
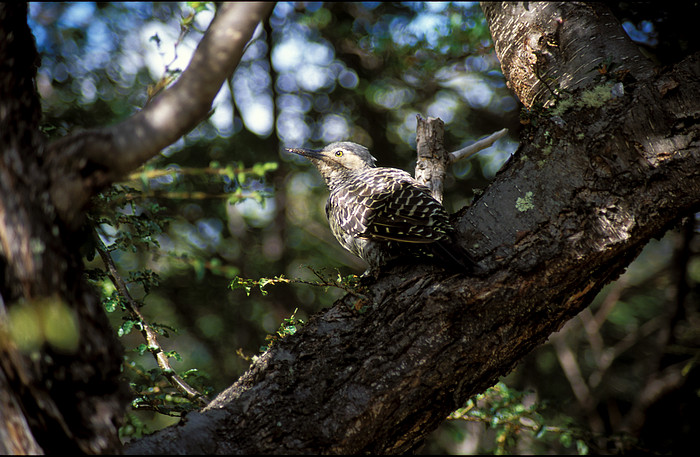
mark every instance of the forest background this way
{"type": "Point", "coordinates": [195, 229]}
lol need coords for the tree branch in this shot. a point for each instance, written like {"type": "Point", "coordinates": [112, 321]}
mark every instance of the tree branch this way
{"type": "Point", "coordinates": [82, 163]}
{"type": "Point", "coordinates": [432, 162]}
{"type": "Point", "coordinates": [148, 332]}
{"type": "Point", "coordinates": [477, 146]}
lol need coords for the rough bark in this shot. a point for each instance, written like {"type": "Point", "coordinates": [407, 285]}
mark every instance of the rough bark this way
{"type": "Point", "coordinates": [547, 49]}
{"type": "Point", "coordinates": [65, 393]}
{"type": "Point", "coordinates": [69, 396]}
{"type": "Point", "coordinates": [615, 165]}
{"type": "Point", "coordinates": [432, 159]}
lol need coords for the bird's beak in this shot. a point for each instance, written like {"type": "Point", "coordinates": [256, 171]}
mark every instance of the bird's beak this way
{"type": "Point", "coordinates": [310, 153]}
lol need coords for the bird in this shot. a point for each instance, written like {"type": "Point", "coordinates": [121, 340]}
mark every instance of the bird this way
{"type": "Point", "coordinates": [382, 214]}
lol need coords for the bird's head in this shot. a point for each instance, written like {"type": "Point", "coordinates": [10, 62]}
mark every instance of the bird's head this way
{"type": "Point", "coordinates": [338, 156]}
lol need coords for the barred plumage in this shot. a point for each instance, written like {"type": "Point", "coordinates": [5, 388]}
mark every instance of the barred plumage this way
{"type": "Point", "coordinates": [378, 214]}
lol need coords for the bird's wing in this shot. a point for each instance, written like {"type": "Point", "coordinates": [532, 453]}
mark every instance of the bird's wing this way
{"type": "Point", "coordinates": [388, 204]}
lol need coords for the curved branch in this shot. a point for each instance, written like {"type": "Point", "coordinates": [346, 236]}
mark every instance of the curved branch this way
{"type": "Point", "coordinates": [81, 163]}
{"type": "Point", "coordinates": [379, 379]}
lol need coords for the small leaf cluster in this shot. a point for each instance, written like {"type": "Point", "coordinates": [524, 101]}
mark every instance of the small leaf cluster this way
{"type": "Point", "coordinates": [288, 326]}
{"type": "Point", "coordinates": [153, 392]}
{"type": "Point", "coordinates": [349, 283]}
{"type": "Point", "coordinates": [504, 411]}
{"type": "Point", "coordinates": [126, 223]}
{"type": "Point", "coordinates": [119, 224]}
{"type": "Point", "coordinates": [128, 226]}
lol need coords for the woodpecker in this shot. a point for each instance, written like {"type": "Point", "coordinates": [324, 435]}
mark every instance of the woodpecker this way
{"type": "Point", "coordinates": [380, 214]}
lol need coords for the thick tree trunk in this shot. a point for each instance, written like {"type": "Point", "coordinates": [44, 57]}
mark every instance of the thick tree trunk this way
{"type": "Point", "coordinates": [603, 171]}
{"type": "Point", "coordinates": [60, 360]}
{"type": "Point", "coordinates": [64, 387]}
{"type": "Point", "coordinates": [543, 55]}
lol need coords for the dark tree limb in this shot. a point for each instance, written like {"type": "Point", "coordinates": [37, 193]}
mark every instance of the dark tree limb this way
{"type": "Point", "coordinates": [572, 208]}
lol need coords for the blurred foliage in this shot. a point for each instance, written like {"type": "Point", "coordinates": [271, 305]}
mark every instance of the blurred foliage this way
{"type": "Point", "coordinates": [227, 203]}
{"type": "Point", "coordinates": [518, 425]}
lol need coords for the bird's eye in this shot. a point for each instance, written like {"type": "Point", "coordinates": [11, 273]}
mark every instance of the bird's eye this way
{"type": "Point", "coordinates": [338, 153]}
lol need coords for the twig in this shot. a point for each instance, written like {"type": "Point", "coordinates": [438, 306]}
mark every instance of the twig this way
{"type": "Point", "coordinates": [581, 390]}
{"type": "Point", "coordinates": [476, 147]}
{"type": "Point", "coordinates": [433, 160]}
{"type": "Point", "coordinates": [148, 332]}
{"type": "Point", "coordinates": [248, 284]}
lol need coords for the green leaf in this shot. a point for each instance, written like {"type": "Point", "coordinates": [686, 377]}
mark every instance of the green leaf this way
{"type": "Point", "coordinates": [141, 348]}
{"type": "Point", "coordinates": [565, 439]}
{"type": "Point", "coordinates": [126, 327]}
{"type": "Point", "coordinates": [199, 269]}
